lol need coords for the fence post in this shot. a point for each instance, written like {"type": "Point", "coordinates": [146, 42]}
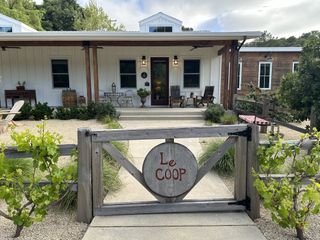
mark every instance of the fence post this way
{"type": "Point", "coordinates": [252, 163]}
{"type": "Point", "coordinates": [84, 206]}
{"type": "Point", "coordinates": [97, 175]}
{"type": "Point", "coordinates": [240, 162]}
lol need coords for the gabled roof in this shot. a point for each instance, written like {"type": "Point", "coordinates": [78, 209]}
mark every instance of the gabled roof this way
{"type": "Point", "coordinates": [14, 21]}
{"type": "Point", "coordinates": [160, 14]}
{"type": "Point", "coordinates": [271, 49]}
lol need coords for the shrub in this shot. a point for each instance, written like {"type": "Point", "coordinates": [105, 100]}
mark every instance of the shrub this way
{"type": "Point", "coordinates": [92, 111]}
{"type": "Point", "coordinates": [290, 200]}
{"type": "Point", "coordinates": [213, 113]}
{"type": "Point", "coordinates": [29, 204]}
{"type": "Point", "coordinates": [228, 119]}
{"type": "Point", "coordinates": [225, 165]}
{"type": "Point", "coordinates": [63, 113]}
{"type": "Point", "coordinates": [42, 111]}
{"type": "Point", "coordinates": [100, 110]}
{"type": "Point", "coordinates": [25, 112]}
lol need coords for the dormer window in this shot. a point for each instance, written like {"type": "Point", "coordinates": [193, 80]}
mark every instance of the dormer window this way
{"type": "Point", "coordinates": [5, 29]}
{"type": "Point", "coordinates": [160, 29]}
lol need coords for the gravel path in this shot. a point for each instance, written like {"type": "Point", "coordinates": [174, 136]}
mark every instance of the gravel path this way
{"type": "Point", "coordinates": [57, 224]}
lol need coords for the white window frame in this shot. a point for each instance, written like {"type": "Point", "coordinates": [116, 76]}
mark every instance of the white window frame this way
{"type": "Point", "coordinates": [200, 72]}
{"type": "Point", "coordinates": [119, 71]}
{"type": "Point", "coordinates": [294, 63]}
{"type": "Point", "coordinates": [270, 79]}
{"type": "Point", "coordinates": [240, 75]}
{"type": "Point", "coordinates": [52, 80]}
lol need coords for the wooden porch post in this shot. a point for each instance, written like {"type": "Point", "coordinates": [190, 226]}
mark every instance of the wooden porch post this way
{"type": "Point", "coordinates": [88, 70]}
{"type": "Point", "coordinates": [225, 90]}
{"type": "Point", "coordinates": [233, 73]}
{"type": "Point", "coordinates": [95, 73]}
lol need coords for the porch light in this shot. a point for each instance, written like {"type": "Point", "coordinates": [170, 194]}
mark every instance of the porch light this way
{"type": "Point", "coordinates": [143, 61]}
{"type": "Point", "coordinates": [175, 60]}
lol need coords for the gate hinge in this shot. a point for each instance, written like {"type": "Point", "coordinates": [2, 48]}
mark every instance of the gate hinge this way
{"type": "Point", "coordinates": [245, 202]}
{"type": "Point", "coordinates": [244, 133]}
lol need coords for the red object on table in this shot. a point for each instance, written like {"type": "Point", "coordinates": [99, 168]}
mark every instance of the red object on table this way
{"type": "Point", "coordinates": [254, 119]}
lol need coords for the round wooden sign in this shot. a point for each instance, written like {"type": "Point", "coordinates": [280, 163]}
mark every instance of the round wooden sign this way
{"type": "Point", "coordinates": [170, 169]}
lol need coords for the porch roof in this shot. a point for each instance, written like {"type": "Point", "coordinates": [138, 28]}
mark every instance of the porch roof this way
{"type": "Point", "coordinates": [116, 38]}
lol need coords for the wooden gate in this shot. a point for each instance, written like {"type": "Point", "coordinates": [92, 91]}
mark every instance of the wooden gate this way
{"type": "Point", "coordinates": [90, 175]}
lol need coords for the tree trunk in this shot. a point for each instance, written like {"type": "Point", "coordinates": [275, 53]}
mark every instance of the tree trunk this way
{"type": "Point", "coordinates": [314, 119]}
{"type": "Point", "coordinates": [300, 233]}
{"type": "Point", "coordinates": [18, 231]}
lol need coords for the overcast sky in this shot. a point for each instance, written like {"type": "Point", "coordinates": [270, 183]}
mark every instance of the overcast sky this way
{"type": "Point", "coordinates": [283, 18]}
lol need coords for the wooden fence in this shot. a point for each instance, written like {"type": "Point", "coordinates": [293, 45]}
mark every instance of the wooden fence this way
{"type": "Point", "coordinates": [244, 137]}
{"type": "Point", "coordinates": [265, 109]}
{"type": "Point", "coordinates": [64, 150]}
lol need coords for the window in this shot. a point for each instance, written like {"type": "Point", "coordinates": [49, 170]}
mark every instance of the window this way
{"type": "Point", "coordinates": [265, 69]}
{"type": "Point", "coordinates": [160, 29]}
{"type": "Point", "coordinates": [5, 29]}
{"type": "Point", "coordinates": [295, 66]}
{"type": "Point", "coordinates": [128, 76]}
{"type": "Point", "coordinates": [60, 73]}
{"type": "Point", "coordinates": [239, 76]}
{"type": "Point", "coordinates": [191, 74]}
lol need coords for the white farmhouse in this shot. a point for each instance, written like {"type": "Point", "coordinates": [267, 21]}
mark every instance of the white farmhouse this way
{"type": "Point", "coordinates": [160, 55]}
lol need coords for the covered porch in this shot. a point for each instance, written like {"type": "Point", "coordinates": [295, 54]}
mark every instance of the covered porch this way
{"type": "Point", "coordinates": [126, 60]}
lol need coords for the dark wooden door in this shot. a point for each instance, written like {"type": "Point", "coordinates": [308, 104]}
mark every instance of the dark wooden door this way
{"type": "Point", "coordinates": [159, 81]}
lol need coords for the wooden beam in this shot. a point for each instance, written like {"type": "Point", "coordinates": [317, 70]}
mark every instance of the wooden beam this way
{"type": "Point", "coordinates": [142, 134]}
{"type": "Point", "coordinates": [95, 73]}
{"type": "Point", "coordinates": [64, 150]}
{"type": "Point", "coordinates": [178, 207]}
{"type": "Point", "coordinates": [84, 205]}
{"type": "Point", "coordinates": [97, 175]}
{"type": "Point", "coordinates": [225, 80]}
{"type": "Point", "coordinates": [88, 73]}
{"type": "Point", "coordinates": [252, 164]}
{"type": "Point", "coordinates": [240, 169]}
{"type": "Point", "coordinates": [233, 73]}
{"type": "Point", "coordinates": [132, 43]}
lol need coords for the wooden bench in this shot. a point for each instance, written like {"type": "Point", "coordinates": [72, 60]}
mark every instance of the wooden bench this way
{"type": "Point", "coordinates": [256, 120]}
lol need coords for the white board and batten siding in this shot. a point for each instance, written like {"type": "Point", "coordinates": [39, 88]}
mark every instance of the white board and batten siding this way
{"type": "Point", "coordinates": [33, 65]}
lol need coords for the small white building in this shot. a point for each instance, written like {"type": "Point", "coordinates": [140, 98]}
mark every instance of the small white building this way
{"type": "Point", "coordinates": [157, 57]}
{"type": "Point", "coordinates": [8, 24]}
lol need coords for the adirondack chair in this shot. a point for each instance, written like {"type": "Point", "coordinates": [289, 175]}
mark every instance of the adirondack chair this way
{"type": "Point", "coordinates": [9, 115]}
{"type": "Point", "coordinates": [175, 96]}
{"type": "Point", "coordinates": [207, 96]}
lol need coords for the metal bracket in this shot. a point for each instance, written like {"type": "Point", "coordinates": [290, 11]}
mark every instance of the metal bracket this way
{"type": "Point", "coordinates": [246, 202]}
{"type": "Point", "coordinates": [244, 133]}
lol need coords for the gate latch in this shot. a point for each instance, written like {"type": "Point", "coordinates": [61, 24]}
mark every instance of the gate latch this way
{"type": "Point", "coordinates": [244, 133]}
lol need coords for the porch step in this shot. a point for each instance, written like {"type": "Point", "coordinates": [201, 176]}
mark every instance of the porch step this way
{"type": "Point", "coordinates": [161, 114]}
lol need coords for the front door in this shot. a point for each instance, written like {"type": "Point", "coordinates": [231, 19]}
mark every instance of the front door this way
{"type": "Point", "coordinates": [159, 81]}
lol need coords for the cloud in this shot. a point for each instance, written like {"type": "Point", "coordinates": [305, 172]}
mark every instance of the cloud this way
{"type": "Point", "coordinates": [280, 17]}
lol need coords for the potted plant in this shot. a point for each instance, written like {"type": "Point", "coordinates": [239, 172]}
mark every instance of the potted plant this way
{"type": "Point", "coordinates": [21, 86]}
{"type": "Point", "coordinates": [143, 94]}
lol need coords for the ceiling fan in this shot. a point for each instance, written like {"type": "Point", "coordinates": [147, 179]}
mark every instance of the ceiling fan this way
{"type": "Point", "coordinates": [200, 46]}
{"type": "Point", "coordinates": [4, 48]}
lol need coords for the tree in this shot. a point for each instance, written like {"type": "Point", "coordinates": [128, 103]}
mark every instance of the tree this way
{"type": "Point", "coordinates": [94, 18]}
{"type": "Point", "coordinates": [291, 200]}
{"type": "Point", "coordinates": [61, 15]}
{"type": "Point", "coordinates": [22, 10]}
{"type": "Point", "coordinates": [300, 91]}
{"type": "Point", "coordinates": [29, 203]}
{"type": "Point", "coordinates": [267, 40]}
